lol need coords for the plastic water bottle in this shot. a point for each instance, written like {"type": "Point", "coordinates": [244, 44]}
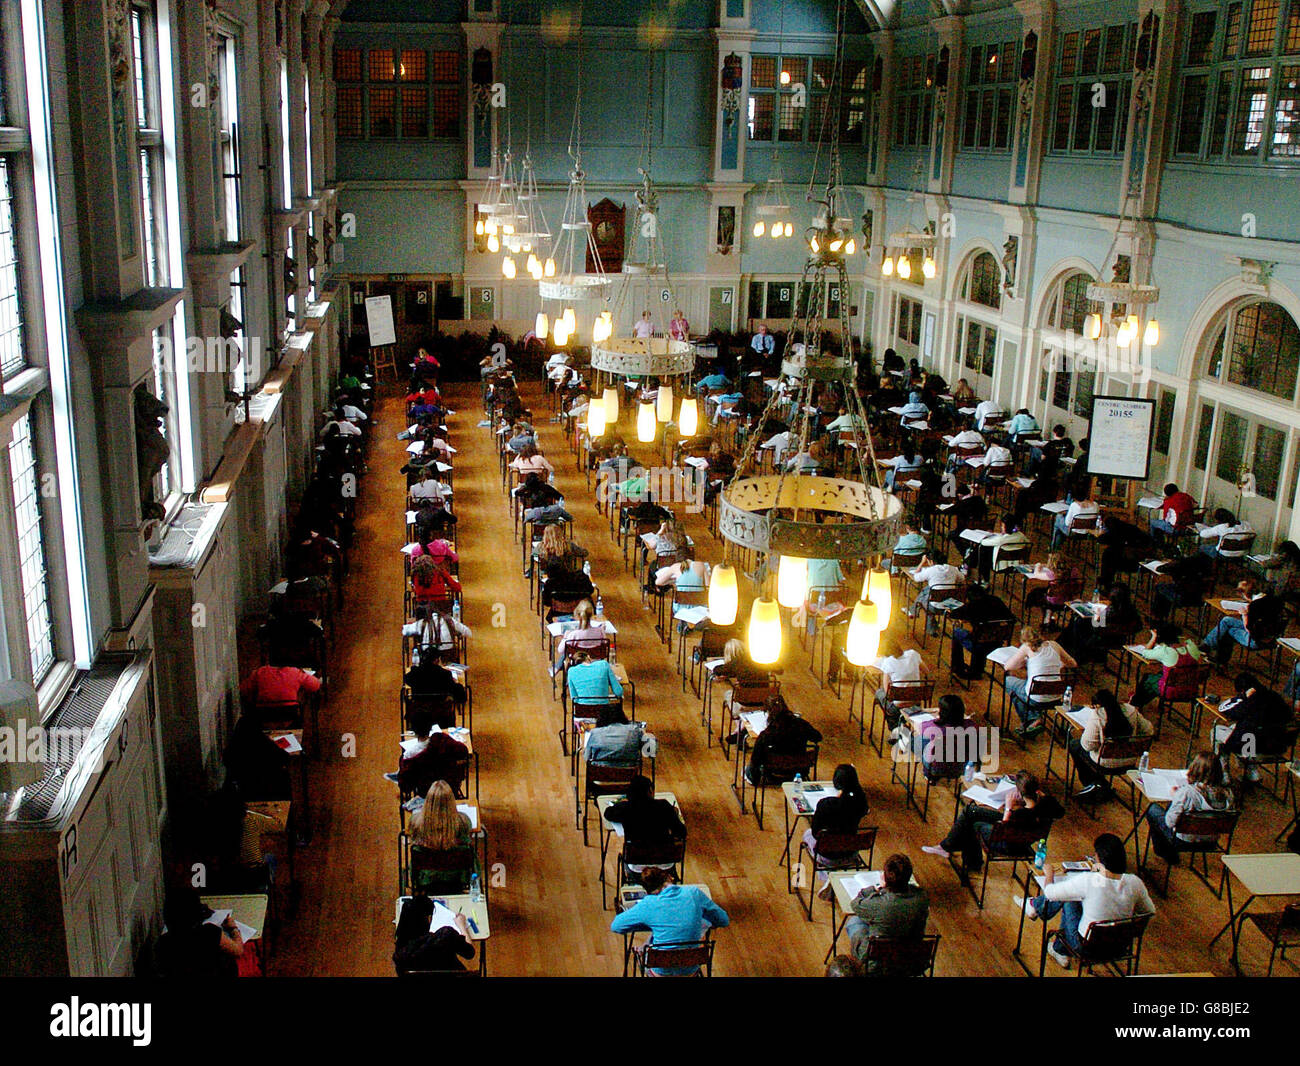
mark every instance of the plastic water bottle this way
{"type": "Point", "coordinates": [1068, 698]}
{"type": "Point", "coordinates": [600, 606]}
{"type": "Point", "coordinates": [1144, 763]}
{"type": "Point", "coordinates": [455, 610]}
{"type": "Point", "coordinates": [1040, 854]}
{"type": "Point", "coordinates": [475, 894]}
{"type": "Point", "coordinates": [798, 782]}
{"type": "Point", "coordinates": [969, 773]}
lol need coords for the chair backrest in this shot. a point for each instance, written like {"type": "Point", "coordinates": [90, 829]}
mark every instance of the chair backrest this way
{"type": "Point", "coordinates": [1185, 681]}
{"type": "Point", "coordinates": [907, 560]}
{"type": "Point", "coordinates": [1114, 939]}
{"type": "Point", "coordinates": [654, 853]}
{"type": "Point", "coordinates": [748, 694]}
{"type": "Point", "coordinates": [597, 647]}
{"type": "Point", "coordinates": [603, 779]}
{"type": "Point", "coordinates": [1124, 748]}
{"type": "Point", "coordinates": [696, 955]}
{"type": "Point", "coordinates": [830, 842]}
{"type": "Point", "coordinates": [446, 871]}
{"type": "Point", "coordinates": [1085, 522]}
{"type": "Point", "coordinates": [1235, 544]}
{"type": "Point", "coordinates": [1207, 823]}
{"type": "Point", "coordinates": [1015, 553]}
{"type": "Point", "coordinates": [784, 764]}
{"type": "Point", "coordinates": [1290, 919]}
{"type": "Point", "coordinates": [1052, 685]}
{"type": "Point", "coordinates": [1010, 840]}
{"type": "Point", "coordinates": [918, 693]}
{"type": "Point", "coordinates": [894, 956]}
{"type": "Point", "coordinates": [996, 632]}
{"type": "Point", "coordinates": [999, 470]}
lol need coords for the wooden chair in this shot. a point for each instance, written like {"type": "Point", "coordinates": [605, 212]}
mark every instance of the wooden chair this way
{"type": "Point", "coordinates": [905, 695]}
{"type": "Point", "coordinates": [779, 767]}
{"type": "Point", "coordinates": [1221, 825]}
{"type": "Point", "coordinates": [695, 954]}
{"type": "Point", "coordinates": [642, 854]}
{"type": "Point", "coordinates": [602, 781]}
{"type": "Point", "coordinates": [1114, 944]}
{"type": "Point", "coordinates": [851, 845]}
{"type": "Point", "coordinates": [1006, 842]}
{"type": "Point", "coordinates": [893, 956]}
{"type": "Point", "coordinates": [1125, 752]}
{"type": "Point", "coordinates": [1280, 928]}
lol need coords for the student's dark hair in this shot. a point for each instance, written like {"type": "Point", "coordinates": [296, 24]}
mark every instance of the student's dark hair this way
{"type": "Point", "coordinates": [640, 788]}
{"type": "Point", "coordinates": [846, 781]}
{"type": "Point", "coordinates": [1116, 724]}
{"type": "Point", "coordinates": [1170, 489]}
{"type": "Point", "coordinates": [844, 966]}
{"type": "Point", "coordinates": [421, 720]}
{"type": "Point", "coordinates": [952, 710]}
{"type": "Point", "coordinates": [898, 871]}
{"type": "Point", "coordinates": [1289, 550]}
{"type": "Point", "coordinates": [1028, 786]}
{"type": "Point", "coordinates": [1058, 430]}
{"type": "Point", "coordinates": [1168, 632]}
{"type": "Point", "coordinates": [610, 714]}
{"type": "Point", "coordinates": [1223, 516]}
{"type": "Point", "coordinates": [1245, 682]}
{"type": "Point", "coordinates": [908, 448]}
{"type": "Point", "coordinates": [654, 878]}
{"type": "Point", "coordinates": [1111, 853]}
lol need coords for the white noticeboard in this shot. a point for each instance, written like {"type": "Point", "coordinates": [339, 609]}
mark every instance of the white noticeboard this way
{"type": "Point", "coordinates": [379, 320]}
{"type": "Point", "coordinates": [1120, 437]}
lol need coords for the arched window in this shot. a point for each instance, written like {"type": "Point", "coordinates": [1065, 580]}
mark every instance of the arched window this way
{"type": "Point", "coordinates": [1257, 347]}
{"type": "Point", "coordinates": [983, 282]}
{"type": "Point", "coordinates": [1066, 383]}
{"type": "Point", "coordinates": [1070, 304]}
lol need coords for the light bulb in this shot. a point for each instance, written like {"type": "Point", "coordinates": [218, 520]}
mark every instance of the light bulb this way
{"type": "Point", "coordinates": [532, 262]}
{"type": "Point", "coordinates": [664, 403]}
{"type": "Point", "coordinates": [571, 319]}
{"type": "Point", "coordinates": [508, 267]}
{"type": "Point", "coordinates": [789, 229]}
{"type": "Point", "coordinates": [887, 267]}
{"type": "Point", "coordinates": [688, 422]}
{"type": "Point", "coordinates": [851, 247]}
{"type": "Point", "coordinates": [760, 228]}
{"type": "Point", "coordinates": [611, 404]}
{"type": "Point", "coordinates": [723, 595]}
{"type": "Point", "coordinates": [877, 589]}
{"type": "Point", "coordinates": [490, 226]}
{"type": "Point", "coordinates": [645, 423]}
{"type": "Point", "coordinates": [792, 581]}
{"type": "Point", "coordinates": [595, 417]}
{"type": "Point", "coordinates": [561, 335]}
{"type": "Point", "coordinates": [541, 326]}
{"type": "Point", "coordinates": [785, 77]}
{"type": "Point", "coordinates": [862, 643]}
{"type": "Point", "coordinates": [478, 227]}
{"type": "Point", "coordinates": [904, 267]}
{"type": "Point", "coordinates": [536, 271]}
{"type": "Point", "coordinates": [1124, 337]}
{"type": "Point", "coordinates": [1132, 322]}
{"type": "Point", "coordinates": [928, 268]}
{"type": "Point", "coordinates": [507, 228]}
{"type": "Point", "coordinates": [812, 243]}
{"type": "Point", "coordinates": [776, 232]}
{"type": "Point", "coordinates": [1092, 326]}
{"type": "Point", "coordinates": [765, 632]}
{"type": "Point", "coordinates": [836, 244]}
{"type": "Point", "coordinates": [1152, 335]}
{"type": "Point", "coordinates": [494, 245]}
{"type": "Point", "coordinates": [550, 268]}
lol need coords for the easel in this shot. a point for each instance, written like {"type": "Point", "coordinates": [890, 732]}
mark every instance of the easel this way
{"type": "Point", "coordinates": [384, 359]}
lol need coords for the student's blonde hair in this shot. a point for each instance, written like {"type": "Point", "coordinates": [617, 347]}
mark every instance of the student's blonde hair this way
{"type": "Point", "coordinates": [1031, 636]}
{"type": "Point", "coordinates": [437, 825]}
{"type": "Point", "coordinates": [584, 613]}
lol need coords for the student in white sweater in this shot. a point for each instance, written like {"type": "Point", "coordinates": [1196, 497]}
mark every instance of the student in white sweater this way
{"type": "Point", "coordinates": [1106, 892]}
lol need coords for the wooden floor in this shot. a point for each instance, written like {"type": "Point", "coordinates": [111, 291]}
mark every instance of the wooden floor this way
{"type": "Point", "coordinates": [546, 916]}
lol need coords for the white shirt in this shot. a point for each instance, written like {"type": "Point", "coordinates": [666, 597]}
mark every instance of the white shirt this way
{"type": "Point", "coordinates": [997, 455]}
{"type": "Point", "coordinates": [1104, 898]}
{"type": "Point", "coordinates": [429, 490]}
{"type": "Point", "coordinates": [1046, 660]}
{"type": "Point", "coordinates": [967, 438]}
{"type": "Point", "coordinates": [354, 413]}
{"type": "Point", "coordinates": [1079, 507]}
{"type": "Point", "coordinates": [1217, 532]}
{"type": "Point", "coordinates": [778, 444]}
{"type": "Point", "coordinates": [643, 328]}
{"type": "Point", "coordinates": [938, 574]}
{"type": "Point", "coordinates": [905, 667]}
{"type": "Point", "coordinates": [557, 359]}
{"type": "Point", "coordinates": [984, 409]}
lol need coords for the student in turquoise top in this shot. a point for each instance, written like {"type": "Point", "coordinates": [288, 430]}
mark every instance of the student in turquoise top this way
{"type": "Point", "coordinates": [592, 681]}
{"type": "Point", "coordinates": [823, 575]}
{"type": "Point", "coordinates": [1022, 424]}
{"type": "Point", "coordinates": [911, 539]}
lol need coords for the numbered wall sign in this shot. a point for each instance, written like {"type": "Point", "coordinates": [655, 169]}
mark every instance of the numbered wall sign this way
{"type": "Point", "coordinates": [726, 296]}
{"type": "Point", "coordinates": [665, 295]}
{"type": "Point", "coordinates": [485, 296]}
{"type": "Point", "coordinates": [421, 296]}
{"type": "Point", "coordinates": [785, 293]}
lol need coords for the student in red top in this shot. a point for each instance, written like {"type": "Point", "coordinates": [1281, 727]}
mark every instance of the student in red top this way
{"type": "Point", "coordinates": [1175, 513]}
{"type": "Point", "coordinates": [278, 683]}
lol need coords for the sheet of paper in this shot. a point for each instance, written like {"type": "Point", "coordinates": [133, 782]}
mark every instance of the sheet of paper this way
{"type": "Point", "coordinates": [1059, 507]}
{"type": "Point", "coordinates": [1001, 656]}
{"type": "Point", "coordinates": [692, 614]}
{"type": "Point", "coordinates": [814, 796]}
{"type": "Point", "coordinates": [470, 812]}
{"type": "Point", "coordinates": [863, 880]}
{"type": "Point", "coordinates": [1234, 605]}
{"type": "Point", "coordinates": [755, 720]}
{"type": "Point", "coordinates": [1159, 784]}
{"type": "Point", "coordinates": [416, 447]}
{"type": "Point", "coordinates": [289, 743]}
{"type": "Point", "coordinates": [443, 918]}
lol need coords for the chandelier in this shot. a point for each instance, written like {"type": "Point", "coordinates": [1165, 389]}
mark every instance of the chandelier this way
{"type": "Point", "coordinates": [912, 238]}
{"type": "Point", "coordinates": [799, 514]}
{"type": "Point", "coordinates": [773, 209]}
{"type": "Point", "coordinates": [1111, 303]}
{"type": "Point", "coordinates": [529, 234]}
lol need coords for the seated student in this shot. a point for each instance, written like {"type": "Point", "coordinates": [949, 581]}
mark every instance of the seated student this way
{"type": "Point", "coordinates": [278, 683]}
{"type": "Point", "coordinates": [1105, 893]}
{"type": "Point", "coordinates": [522, 434]}
{"type": "Point", "coordinates": [985, 556]}
{"type": "Point", "coordinates": [432, 520]}
{"type": "Point", "coordinates": [1282, 569]}
{"type": "Point", "coordinates": [255, 764]}
{"type": "Point", "coordinates": [687, 575]}
{"type": "Point", "coordinates": [981, 608]}
{"type": "Point", "coordinates": [905, 462]}
{"type": "Point", "coordinates": [1108, 720]}
{"type": "Point", "coordinates": [584, 630]}
{"type": "Point", "coordinates": [987, 414]}
{"type": "Point", "coordinates": [1034, 658]}
{"type": "Point", "coordinates": [1022, 424]}
{"type": "Point", "coordinates": [1124, 547]}
{"type": "Point", "coordinates": [1082, 504]}
{"type": "Point", "coordinates": [913, 411]}
{"type": "Point", "coordinates": [433, 755]}
{"type": "Point", "coordinates": [1204, 791]}
{"type": "Point", "coordinates": [996, 455]}
{"type": "Point", "coordinates": [419, 951]}
{"type": "Point", "coordinates": [1089, 639]}
{"type": "Point", "coordinates": [561, 584]}
{"type": "Point", "coordinates": [1165, 646]}
{"type": "Point", "coordinates": [556, 553]}
{"type": "Point", "coordinates": [671, 914]}
{"type": "Point", "coordinates": [963, 395]}
{"type": "Point", "coordinates": [670, 537]}
{"type": "Point", "coordinates": [1055, 583]}
{"type": "Point", "coordinates": [1225, 523]}
{"type": "Point", "coordinates": [437, 548]}
{"type": "Point", "coordinates": [531, 461]}
{"type": "Point", "coordinates": [1262, 622]}
{"type": "Point", "coordinates": [1174, 514]}
{"type": "Point", "coordinates": [434, 631]}
{"type": "Point", "coordinates": [592, 680]}
{"type": "Point", "coordinates": [1260, 721]}
{"type": "Point", "coordinates": [896, 908]}
{"type": "Point", "coordinates": [1026, 806]}
{"type": "Point", "coordinates": [894, 664]}
{"type": "Point", "coordinates": [1193, 577]}
{"type": "Point", "coordinates": [946, 739]}
{"type": "Point", "coordinates": [785, 734]}
{"type": "Point", "coordinates": [845, 422]}
{"type": "Point", "coordinates": [439, 831]}
{"type": "Point", "coordinates": [713, 382]}
{"type": "Point", "coordinates": [192, 946]}
{"type": "Point", "coordinates": [429, 487]}
{"type": "Point", "coordinates": [646, 820]}
{"type": "Point", "coordinates": [738, 667]}
{"type": "Point", "coordinates": [842, 814]}
{"type": "Point", "coordinates": [968, 511]}
{"type": "Point", "coordinates": [911, 539]}
{"type": "Point", "coordinates": [1058, 446]}
{"type": "Point", "coordinates": [932, 575]}
{"type": "Point", "coordinates": [966, 438]}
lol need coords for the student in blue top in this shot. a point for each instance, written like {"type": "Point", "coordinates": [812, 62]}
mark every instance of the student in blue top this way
{"type": "Point", "coordinates": [671, 914]}
{"type": "Point", "coordinates": [911, 539]}
{"type": "Point", "coordinates": [914, 410]}
{"type": "Point", "coordinates": [1022, 424]}
{"type": "Point", "coordinates": [716, 380]}
{"type": "Point", "coordinates": [592, 681]}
